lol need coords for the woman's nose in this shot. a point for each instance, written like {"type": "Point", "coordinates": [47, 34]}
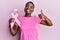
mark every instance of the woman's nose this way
{"type": "Point", "coordinates": [29, 8]}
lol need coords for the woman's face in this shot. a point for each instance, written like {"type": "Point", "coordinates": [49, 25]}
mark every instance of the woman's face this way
{"type": "Point", "coordinates": [29, 8]}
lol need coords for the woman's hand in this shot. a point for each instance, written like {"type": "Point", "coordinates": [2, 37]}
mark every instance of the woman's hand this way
{"type": "Point", "coordinates": [11, 20]}
{"type": "Point", "coordinates": [42, 15]}
{"type": "Point", "coordinates": [45, 19]}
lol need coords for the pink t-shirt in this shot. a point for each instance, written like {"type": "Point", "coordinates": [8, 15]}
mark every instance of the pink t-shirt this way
{"type": "Point", "coordinates": [29, 27]}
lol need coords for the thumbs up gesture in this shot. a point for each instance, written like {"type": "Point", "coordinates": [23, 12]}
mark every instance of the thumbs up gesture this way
{"type": "Point", "coordinates": [42, 15]}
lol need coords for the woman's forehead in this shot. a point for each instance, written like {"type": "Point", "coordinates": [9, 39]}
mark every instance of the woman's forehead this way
{"type": "Point", "coordinates": [29, 4]}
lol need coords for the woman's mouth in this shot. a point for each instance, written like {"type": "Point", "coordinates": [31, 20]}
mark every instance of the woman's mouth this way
{"type": "Point", "coordinates": [28, 11]}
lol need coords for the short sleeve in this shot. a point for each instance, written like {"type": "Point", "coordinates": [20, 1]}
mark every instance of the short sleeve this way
{"type": "Point", "coordinates": [38, 20]}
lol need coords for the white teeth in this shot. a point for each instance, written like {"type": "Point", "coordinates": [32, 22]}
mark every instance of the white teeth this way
{"type": "Point", "coordinates": [28, 10]}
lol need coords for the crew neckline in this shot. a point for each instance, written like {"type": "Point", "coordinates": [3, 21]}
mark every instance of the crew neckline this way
{"type": "Point", "coordinates": [28, 17]}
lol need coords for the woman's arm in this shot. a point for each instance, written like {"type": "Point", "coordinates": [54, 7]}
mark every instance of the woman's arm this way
{"type": "Point", "coordinates": [45, 20]}
{"type": "Point", "coordinates": [13, 30]}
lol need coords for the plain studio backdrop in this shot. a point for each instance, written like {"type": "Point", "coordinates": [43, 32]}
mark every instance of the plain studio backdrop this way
{"type": "Point", "coordinates": [51, 9]}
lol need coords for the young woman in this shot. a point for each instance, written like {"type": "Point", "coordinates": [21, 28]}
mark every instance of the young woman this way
{"type": "Point", "coordinates": [29, 23]}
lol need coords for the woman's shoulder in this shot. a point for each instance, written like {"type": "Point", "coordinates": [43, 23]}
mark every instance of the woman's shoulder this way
{"type": "Point", "coordinates": [23, 17]}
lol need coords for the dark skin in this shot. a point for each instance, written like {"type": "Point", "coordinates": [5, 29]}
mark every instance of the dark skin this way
{"type": "Point", "coordinates": [28, 11]}
{"type": "Point", "coordinates": [46, 20]}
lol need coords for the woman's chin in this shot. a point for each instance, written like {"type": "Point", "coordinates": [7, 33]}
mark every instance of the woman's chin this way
{"type": "Point", "coordinates": [28, 12]}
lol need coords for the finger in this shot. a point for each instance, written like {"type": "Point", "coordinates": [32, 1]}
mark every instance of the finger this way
{"type": "Point", "coordinates": [40, 15]}
{"type": "Point", "coordinates": [11, 20]}
{"type": "Point", "coordinates": [42, 11]}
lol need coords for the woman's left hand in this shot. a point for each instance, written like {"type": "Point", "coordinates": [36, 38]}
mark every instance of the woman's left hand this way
{"type": "Point", "coordinates": [41, 15]}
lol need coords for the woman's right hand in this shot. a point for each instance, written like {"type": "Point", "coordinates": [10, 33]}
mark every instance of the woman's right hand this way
{"type": "Point", "coordinates": [42, 15]}
{"type": "Point", "coordinates": [13, 28]}
{"type": "Point", "coordinates": [11, 20]}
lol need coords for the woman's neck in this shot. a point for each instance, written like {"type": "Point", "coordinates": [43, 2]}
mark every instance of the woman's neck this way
{"type": "Point", "coordinates": [27, 15]}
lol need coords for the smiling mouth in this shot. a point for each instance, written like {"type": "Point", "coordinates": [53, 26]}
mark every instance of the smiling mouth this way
{"type": "Point", "coordinates": [28, 10]}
